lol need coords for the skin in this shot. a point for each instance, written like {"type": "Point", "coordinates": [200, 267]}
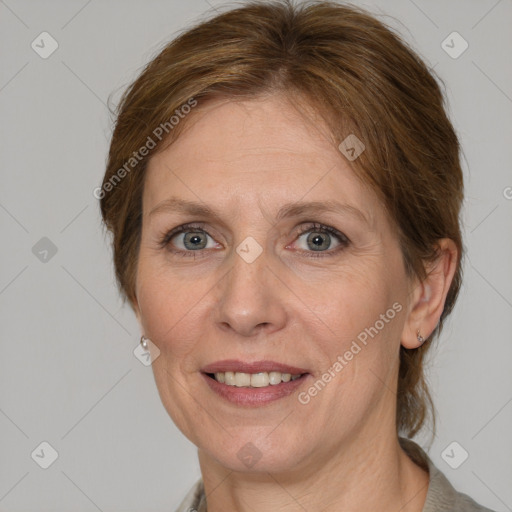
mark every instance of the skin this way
{"type": "Point", "coordinates": [246, 159]}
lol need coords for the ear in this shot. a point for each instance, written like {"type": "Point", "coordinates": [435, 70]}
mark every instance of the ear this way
{"type": "Point", "coordinates": [429, 295]}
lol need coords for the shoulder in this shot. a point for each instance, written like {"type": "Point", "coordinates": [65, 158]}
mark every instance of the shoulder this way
{"type": "Point", "coordinates": [441, 495]}
{"type": "Point", "coordinates": [194, 501]}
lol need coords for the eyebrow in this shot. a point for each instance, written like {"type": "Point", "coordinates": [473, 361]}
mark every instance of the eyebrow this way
{"type": "Point", "coordinates": [296, 209]}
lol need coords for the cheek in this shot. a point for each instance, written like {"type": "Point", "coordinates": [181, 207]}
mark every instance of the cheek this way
{"type": "Point", "coordinates": [353, 299]}
{"type": "Point", "coordinates": [362, 312]}
{"type": "Point", "coordinates": [169, 306]}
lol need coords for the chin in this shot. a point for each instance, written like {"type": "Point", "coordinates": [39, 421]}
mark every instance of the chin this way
{"type": "Point", "coordinates": [250, 452]}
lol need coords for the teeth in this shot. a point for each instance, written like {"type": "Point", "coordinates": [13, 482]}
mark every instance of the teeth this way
{"type": "Point", "coordinates": [260, 380]}
{"type": "Point", "coordinates": [229, 378]}
{"type": "Point", "coordinates": [242, 380]}
{"type": "Point", "coordinates": [274, 377]}
{"type": "Point", "coordinates": [253, 380]}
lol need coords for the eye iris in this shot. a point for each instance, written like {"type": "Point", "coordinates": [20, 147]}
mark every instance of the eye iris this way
{"type": "Point", "coordinates": [320, 241]}
{"type": "Point", "coordinates": [317, 240]}
{"type": "Point", "coordinates": [188, 238]}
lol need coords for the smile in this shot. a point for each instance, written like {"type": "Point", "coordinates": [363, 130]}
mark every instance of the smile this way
{"type": "Point", "coordinates": [253, 384]}
{"type": "Point", "coordinates": [253, 380]}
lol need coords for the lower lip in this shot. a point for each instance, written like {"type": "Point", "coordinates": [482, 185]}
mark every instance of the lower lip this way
{"type": "Point", "coordinates": [254, 397]}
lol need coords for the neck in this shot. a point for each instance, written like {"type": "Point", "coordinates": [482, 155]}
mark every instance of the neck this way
{"type": "Point", "coordinates": [363, 473]}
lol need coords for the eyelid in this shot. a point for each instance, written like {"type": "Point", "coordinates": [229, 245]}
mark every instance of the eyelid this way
{"type": "Point", "coordinates": [322, 228]}
{"type": "Point", "coordinates": [305, 227]}
{"type": "Point", "coordinates": [318, 227]}
{"type": "Point", "coordinates": [190, 226]}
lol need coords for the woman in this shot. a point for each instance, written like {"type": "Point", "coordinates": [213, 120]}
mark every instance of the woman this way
{"type": "Point", "coordinates": [284, 188]}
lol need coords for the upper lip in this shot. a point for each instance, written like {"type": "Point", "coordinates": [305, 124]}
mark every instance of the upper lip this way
{"type": "Point", "coordinates": [234, 365]}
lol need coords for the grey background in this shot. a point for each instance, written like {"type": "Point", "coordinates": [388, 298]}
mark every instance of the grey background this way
{"type": "Point", "coordinates": [68, 375]}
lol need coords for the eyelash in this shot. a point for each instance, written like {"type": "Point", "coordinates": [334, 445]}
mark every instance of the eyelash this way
{"type": "Point", "coordinates": [314, 227]}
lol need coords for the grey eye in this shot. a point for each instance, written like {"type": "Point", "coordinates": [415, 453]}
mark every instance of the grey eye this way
{"type": "Point", "coordinates": [193, 240]}
{"type": "Point", "coordinates": [316, 240]}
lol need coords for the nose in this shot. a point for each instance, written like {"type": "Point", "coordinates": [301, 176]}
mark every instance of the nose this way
{"type": "Point", "coordinates": [251, 297]}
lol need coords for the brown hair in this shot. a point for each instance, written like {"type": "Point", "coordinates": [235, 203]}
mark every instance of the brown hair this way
{"type": "Point", "coordinates": [360, 76]}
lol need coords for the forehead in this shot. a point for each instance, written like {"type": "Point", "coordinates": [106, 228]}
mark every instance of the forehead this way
{"type": "Point", "coordinates": [264, 129]}
{"type": "Point", "coordinates": [235, 153]}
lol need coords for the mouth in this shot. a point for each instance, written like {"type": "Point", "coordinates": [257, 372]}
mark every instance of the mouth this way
{"type": "Point", "coordinates": [253, 380]}
{"type": "Point", "coordinates": [253, 384]}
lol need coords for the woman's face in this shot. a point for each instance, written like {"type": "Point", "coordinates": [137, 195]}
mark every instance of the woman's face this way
{"type": "Point", "coordinates": [298, 271]}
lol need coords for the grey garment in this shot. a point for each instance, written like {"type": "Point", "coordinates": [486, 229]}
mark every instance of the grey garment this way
{"type": "Point", "coordinates": [441, 495]}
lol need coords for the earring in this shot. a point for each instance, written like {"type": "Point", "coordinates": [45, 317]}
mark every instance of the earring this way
{"type": "Point", "coordinates": [144, 342]}
{"type": "Point", "coordinates": [421, 339]}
